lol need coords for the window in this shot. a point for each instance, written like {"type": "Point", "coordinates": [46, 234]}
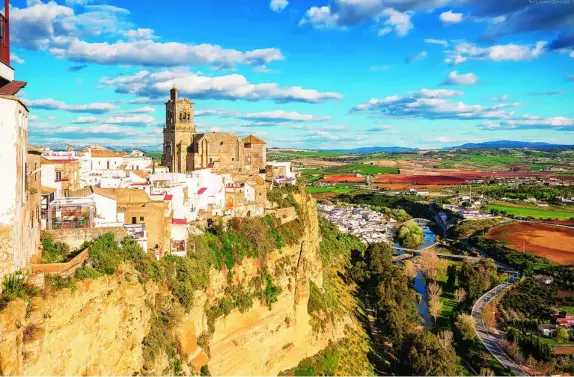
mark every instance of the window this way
{"type": "Point", "coordinates": [232, 159]}
{"type": "Point", "coordinates": [35, 172]}
{"type": "Point", "coordinates": [141, 218]}
{"type": "Point", "coordinates": [134, 220]}
{"type": "Point", "coordinates": [221, 143]}
{"type": "Point", "coordinates": [58, 176]}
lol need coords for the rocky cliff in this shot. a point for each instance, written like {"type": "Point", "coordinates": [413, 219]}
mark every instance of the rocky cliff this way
{"type": "Point", "coordinates": [98, 328]}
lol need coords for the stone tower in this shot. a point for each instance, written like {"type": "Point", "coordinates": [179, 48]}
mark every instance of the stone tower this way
{"type": "Point", "coordinates": [178, 132]}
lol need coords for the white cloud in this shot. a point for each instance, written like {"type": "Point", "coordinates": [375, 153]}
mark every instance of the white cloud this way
{"type": "Point", "coordinates": [16, 59]}
{"type": "Point", "coordinates": [401, 22]}
{"type": "Point", "coordinates": [51, 104]}
{"type": "Point", "coordinates": [145, 109]}
{"type": "Point", "coordinates": [230, 87]}
{"type": "Point", "coordinates": [286, 116]}
{"type": "Point", "coordinates": [533, 122]}
{"type": "Point", "coordinates": [278, 5]}
{"type": "Point", "coordinates": [418, 56]}
{"type": "Point", "coordinates": [463, 79]}
{"type": "Point", "coordinates": [385, 31]}
{"type": "Point", "coordinates": [436, 41]}
{"type": "Point", "coordinates": [464, 51]}
{"type": "Point", "coordinates": [320, 18]}
{"type": "Point", "coordinates": [449, 17]}
{"type": "Point", "coordinates": [382, 128]}
{"type": "Point", "coordinates": [85, 120]}
{"type": "Point", "coordinates": [138, 34]}
{"type": "Point", "coordinates": [132, 119]}
{"type": "Point", "coordinates": [150, 53]}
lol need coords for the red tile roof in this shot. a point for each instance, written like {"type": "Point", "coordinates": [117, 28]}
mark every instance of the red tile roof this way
{"type": "Point", "coordinates": [12, 88]}
{"type": "Point", "coordinates": [168, 197]}
{"type": "Point", "coordinates": [202, 190]}
{"type": "Point", "coordinates": [178, 221]}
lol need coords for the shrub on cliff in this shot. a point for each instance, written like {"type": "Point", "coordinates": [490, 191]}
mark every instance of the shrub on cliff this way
{"type": "Point", "coordinates": [53, 252]}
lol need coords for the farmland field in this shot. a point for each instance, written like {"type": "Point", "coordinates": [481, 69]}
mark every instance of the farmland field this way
{"type": "Point", "coordinates": [337, 190]}
{"type": "Point", "coordinates": [551, 242]}
{"type": "Point", "coordinates": [365, 169]}
{"type": "Point", "coordinates": [534, 212]}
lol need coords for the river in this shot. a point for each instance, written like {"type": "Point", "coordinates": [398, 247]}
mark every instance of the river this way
{"type": "Point", "coordinates": [420, 281]}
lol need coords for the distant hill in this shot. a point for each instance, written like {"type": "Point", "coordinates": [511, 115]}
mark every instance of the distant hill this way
{"type": "Point", "coordinates": [510, 144]}
{"type": "Point", "coordinates": [368, 150]}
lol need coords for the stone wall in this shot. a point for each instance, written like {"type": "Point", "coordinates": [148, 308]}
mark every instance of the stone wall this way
{"type": "Point", "coordinates": [76, 237]}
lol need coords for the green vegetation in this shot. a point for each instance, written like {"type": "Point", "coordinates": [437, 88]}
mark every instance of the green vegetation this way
{"type": "Point", "coordinates": [334, 189]}
{"type": "Point", "coordinates": [363, 169]}
{"type": "Point", "coordinates": [53, 252]}
{"type": "Point", "coordinates": [410, 235]}
{"type": "Point", "coordinates": [537, 213]}
{"type": "Point", "coordinates": [467, 228]}
{"type": "Point", "coordinates": [525, 191]}
{"type": "Point", "coordinates": [531, 299]}
{"type": "Point", "coordinates": [15, 286]}
{"type": "Point", "coordinates": [59, 282]}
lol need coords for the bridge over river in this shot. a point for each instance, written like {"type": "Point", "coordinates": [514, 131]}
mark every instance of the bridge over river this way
{"type": "Point", "coordinates": [409, 253]}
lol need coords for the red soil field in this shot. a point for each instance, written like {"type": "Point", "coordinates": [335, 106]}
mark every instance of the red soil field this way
{"type": "Point", "coordinates": [420, 179]}
{"type": "Point", "coordinates": [551, 242]}
{"type": "Point", "coordinates": [343, 178]}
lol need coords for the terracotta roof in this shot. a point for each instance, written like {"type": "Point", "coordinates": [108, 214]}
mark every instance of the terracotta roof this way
{"type": "Point", "coordinates": [179, 221]}
{"type": "Point", "coordinates": [140, 173]}
{"type": "Point", "coordinates": [34, 150]}
{"type": "Point", "coordinates": [47, 190]}
{"type": "Point", "coordinates": [45, 161]}
{"type": "Point", "coordinates": [252, 139]}
{"type": "Point", "coordinates": [12, 88]}
{"type": "Point", "coordinates": [109, 193]}
{"type": "Point", "coordinates": [101, 153]}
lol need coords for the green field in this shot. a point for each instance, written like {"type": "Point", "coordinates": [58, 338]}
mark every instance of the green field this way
{"type": "Point", "coordinates": [154, 155]}
{"type": "Point", "coordinates": [567, 309]}
{"type": "Point", "coordinates": [337, 190]}
{"type": "Point", "coordinates": [363, 169]}
{"type": "Point", "coordinates": [534, 212]}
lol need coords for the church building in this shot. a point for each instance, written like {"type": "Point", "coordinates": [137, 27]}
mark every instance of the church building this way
{"type": "Point", "coordinates": [185, 151]}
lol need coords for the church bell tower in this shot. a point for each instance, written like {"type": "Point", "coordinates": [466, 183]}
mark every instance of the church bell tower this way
{"type": "Point", "coordinates": [178, 132]}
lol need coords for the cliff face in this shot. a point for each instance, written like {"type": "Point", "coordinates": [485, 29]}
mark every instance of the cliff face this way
{"type": "Point", "coordinates": [98, 328]}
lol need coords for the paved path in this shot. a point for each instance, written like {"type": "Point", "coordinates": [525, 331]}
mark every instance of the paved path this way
{"type": "Point", "coordinates": [489, 340]}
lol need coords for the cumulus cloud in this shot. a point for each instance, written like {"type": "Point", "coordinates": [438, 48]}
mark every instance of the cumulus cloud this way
{"type": "Point", "coordinates": [465, 51]}
{"type": "Point", "coordinates": [228, 87]}
{"type": "Point", "coordinates": [151, 53]}
{"type": "Point", "coordinates": [441, 42]}
{"type": "Point", "coordinates": [432, 104]}
{"type": "Point", "coordinates": [449, 17]}
{"type": "Point", "coordinates": [278, 5]}
{"type": "Point", "coordinates": [463, 79]}
{"type": "Point", "coordinates": [58, 29]}
{"type": "Point", "coordinates": [51, 104]}
{"type": "Point", "coordinates": [264, 118]}
{"type": "Point", "coordinates": [85, 120]}
{"type": "Point", "coordinates": [392, 14]}
{"type": "Point", "coordinates": [16, 59]}
{"type": "Point", "coordinates": [419, 56]}
{"type": "Point", "coordinates": [139, 33]}
{"type": "Point", "coordinates": [527, 16]}
{"type": "Point", "coordinates": [131, 119]}
{"type": "Point", "coordinates": [530, 122]}
{"type": "Point", "coordinates": [400, 22]}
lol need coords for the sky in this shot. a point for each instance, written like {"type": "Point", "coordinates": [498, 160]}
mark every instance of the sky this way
{"type": "Point", "coordinates": [315, 74]}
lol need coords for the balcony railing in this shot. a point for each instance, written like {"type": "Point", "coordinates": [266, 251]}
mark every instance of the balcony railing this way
{"type": "Point", "coordinates": [4, 41]}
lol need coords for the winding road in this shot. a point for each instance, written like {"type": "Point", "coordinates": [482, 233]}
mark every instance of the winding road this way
{"type": "Point", "coordinates": [489, 340]}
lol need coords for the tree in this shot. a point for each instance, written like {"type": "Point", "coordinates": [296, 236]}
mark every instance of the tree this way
{"type": "Point", "coordinates": [435, 307]}
{"type": "Point", "coordinates": [410, 269]}
{"type": "Point", "coordinates": [464, 326]}
{"type": "Point", "coordinates": [562, 333]}
{"type": "Point", "coordinates": [429, 264]}
{"type": "Point", "coordinates": [434, 289]}
{"type": "Point", "coordinates": [445, 338]}
{"type": "Point", "coordinates": [410, 235]}
{"type": "Point", "coordinates": [460, 295]}
{"type": "Point", "coordinates": [426, 356]}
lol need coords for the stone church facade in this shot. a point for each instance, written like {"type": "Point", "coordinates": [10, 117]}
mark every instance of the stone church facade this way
{"type": "Point", "coordinates": [185, 151]}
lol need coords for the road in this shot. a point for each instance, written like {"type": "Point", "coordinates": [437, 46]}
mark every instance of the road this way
{"type": "Point", "coordinates": [489, 340]}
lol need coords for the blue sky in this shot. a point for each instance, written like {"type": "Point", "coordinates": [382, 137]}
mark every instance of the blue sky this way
{"type": "Point", "coordinates": [299, 73]}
